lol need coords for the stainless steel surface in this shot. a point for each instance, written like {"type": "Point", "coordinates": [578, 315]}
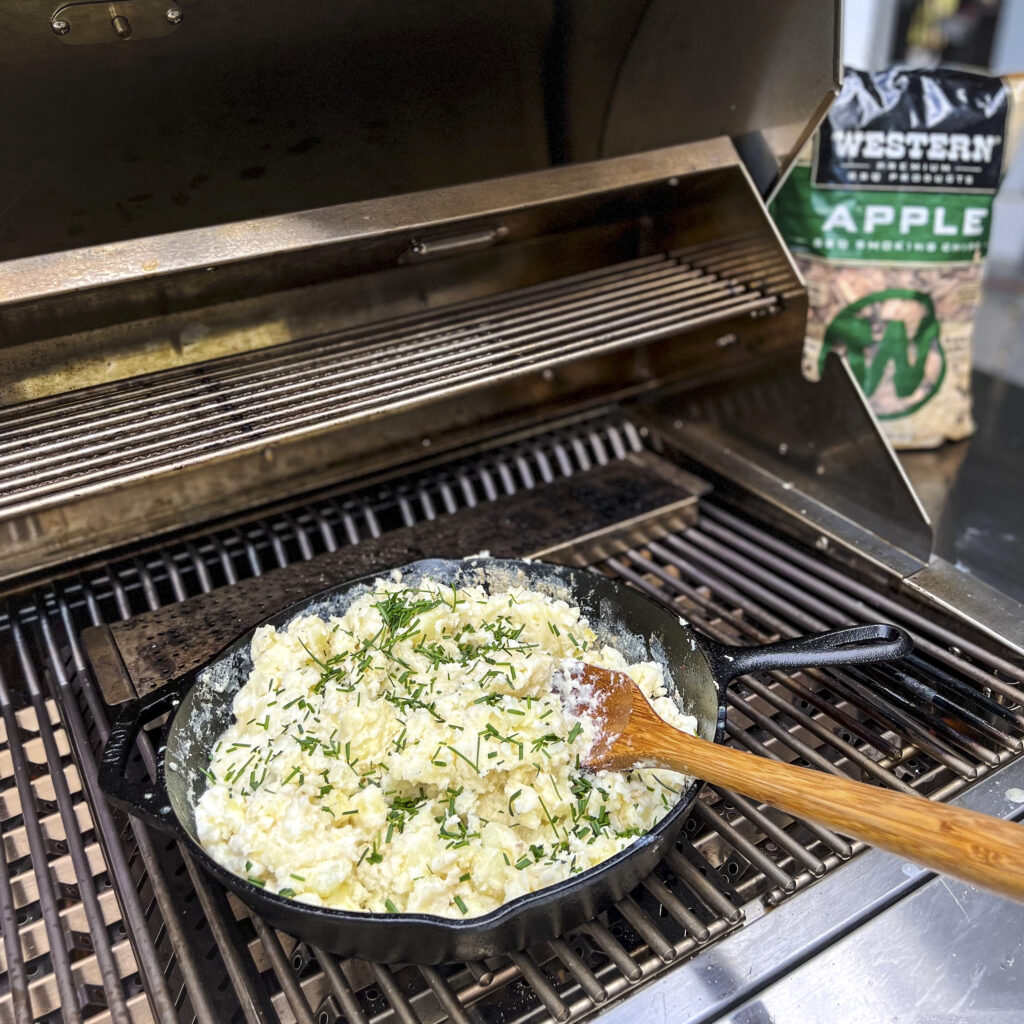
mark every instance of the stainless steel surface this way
{"type": "Point", "coordinates": [220, 341]}
{"type": "Point", "coordinates": [112, 435]}
{"type": "Point", "coordinates": [120, 461]}
{"type": "Point", "coordinates": [881, 940]}
{"type": "Point", "coordinates": [668, 59]}
{"type": "Point", "coordinates": [247, 109]}
{"type": "Point", "coordinates": [811, 451]}
{"type": "Point", "coordinates": [972, 488]}
{"type": "Point", "coordinates": [973, 600]}
{"type": "Point", "coordinates": [88, 288]}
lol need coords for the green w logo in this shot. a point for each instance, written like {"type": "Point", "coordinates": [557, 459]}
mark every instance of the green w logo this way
{"type": "Point", "coordinates": [897, 370]}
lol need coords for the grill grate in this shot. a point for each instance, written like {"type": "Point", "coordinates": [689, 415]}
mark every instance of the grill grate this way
{"type": "Point", "coordinates": [96, 911]}
{"type": "Point", "coordinates": [110, 434]}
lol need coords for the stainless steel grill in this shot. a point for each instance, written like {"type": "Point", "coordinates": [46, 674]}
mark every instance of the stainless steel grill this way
{"type": "Point", "coordinates": [545, 311]}
{"type": "Point", "coordinates": [95, 910]}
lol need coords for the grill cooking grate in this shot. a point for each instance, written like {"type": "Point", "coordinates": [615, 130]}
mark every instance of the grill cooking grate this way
{"type": "Point", "coordinates": [90, 440]}
{"type": "Point", "coordinates": [95, 911]}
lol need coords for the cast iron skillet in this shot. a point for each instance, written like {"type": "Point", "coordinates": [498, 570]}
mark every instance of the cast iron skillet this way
{"type": "Point", "coordinates": [201, 706]}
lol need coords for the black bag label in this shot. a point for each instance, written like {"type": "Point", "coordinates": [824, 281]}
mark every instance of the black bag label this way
{"type": "Point", "coordinates": [915, 131]}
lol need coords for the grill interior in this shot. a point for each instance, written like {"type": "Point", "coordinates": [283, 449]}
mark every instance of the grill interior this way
{"type": "Point", "coordinates": [114, 433]}
{"type": "Point", "coordinates": [97, 910]}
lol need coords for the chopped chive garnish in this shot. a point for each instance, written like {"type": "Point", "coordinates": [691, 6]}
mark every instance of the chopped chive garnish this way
{"type": "Point", "coordinates": [460, 903]}
{"type": "Point", "coordinates": [392, 909]}
{"type": "Point", "coordinates": [459, 753]}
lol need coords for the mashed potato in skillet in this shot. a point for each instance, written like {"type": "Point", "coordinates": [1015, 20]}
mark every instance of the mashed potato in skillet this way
{"type": "Point", "coordinates": [411, 756]}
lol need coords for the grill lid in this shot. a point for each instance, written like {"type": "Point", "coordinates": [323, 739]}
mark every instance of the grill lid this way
{"type": "Point", "coordinates": [239, 110]}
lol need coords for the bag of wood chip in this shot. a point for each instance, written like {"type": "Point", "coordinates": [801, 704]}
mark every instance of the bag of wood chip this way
{"type": "Point", "coordinates": [888, 217]}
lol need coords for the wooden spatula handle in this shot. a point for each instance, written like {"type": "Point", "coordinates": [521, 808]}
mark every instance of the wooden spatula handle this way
{"type": "Point", "coordinates": [979, 849]}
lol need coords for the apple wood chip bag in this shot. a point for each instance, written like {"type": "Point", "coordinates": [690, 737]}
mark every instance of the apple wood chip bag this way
{"type": "Point", "coordinates": [888, 216]}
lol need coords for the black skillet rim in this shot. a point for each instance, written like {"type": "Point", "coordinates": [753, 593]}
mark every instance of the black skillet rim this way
{"type": "Point", "coordinates": [665, 829]}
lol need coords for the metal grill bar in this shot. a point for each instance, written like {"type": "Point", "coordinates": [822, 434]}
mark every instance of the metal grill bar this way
{"type": "Point", "coordinates": [171, 921]}
{"type": "Point", "coordinates": [744, 633]}
{"type": "Point", "coordinates": [192, 970]}
{"type": "Point", "coordinates": [46, 889]}
{"type": "Point", "coordinates": [445, 996]}
{"type": "Point", "coordinates": [545, 991]}
{"type": "Point", "coordinates": [822, 578]}
{"type": "Point", "coordinates": [222, 922]}
{"type": "Point", "coordinates": [93, 396]}
{"type": "Point", "coordinates": [718, 561]}
{"type": "Point", "coordinates": [83, 871]}
{"type": "Point", "coordinates": [341, 989]}
{"type": "Point", "coordinates": [406, 336]}
{"type": "Point", "coordinates": [241, 422]}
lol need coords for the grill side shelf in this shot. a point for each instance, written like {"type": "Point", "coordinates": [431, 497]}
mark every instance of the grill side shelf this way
{"type": "Point", "coordinates": [590, 516]}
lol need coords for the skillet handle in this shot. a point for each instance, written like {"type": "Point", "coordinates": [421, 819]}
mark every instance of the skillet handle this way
{"type": "Point", "coordinates": [144, 798]}
{"type": "Point", "coordinates": [850, 646]}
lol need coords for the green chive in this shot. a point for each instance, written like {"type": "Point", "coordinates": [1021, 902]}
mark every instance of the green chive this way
{"type": "Point", "coordinates": [458, 753]}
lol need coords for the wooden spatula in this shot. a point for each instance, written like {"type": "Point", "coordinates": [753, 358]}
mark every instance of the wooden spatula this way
{"type": "Point", "coordinates": [984, 851]}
